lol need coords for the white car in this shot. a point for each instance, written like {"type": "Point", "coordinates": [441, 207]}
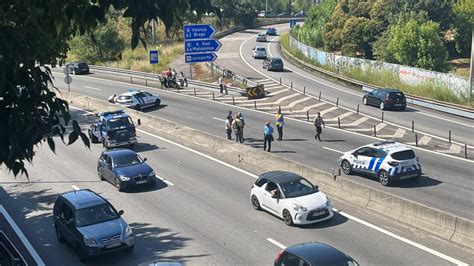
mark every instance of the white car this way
{"type": "Point", "coordinates": [290, 197]}
{"type": "Point", "coordinates": [138, 99]}
{"type": "Point", "coordinates": [259, 52]}
{"type": "Point", "coordinates": [387, 160]}
{"type": "Point", "coordinates": [262, 37]}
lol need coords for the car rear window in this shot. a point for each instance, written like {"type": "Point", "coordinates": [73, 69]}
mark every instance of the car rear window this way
{"type": "Point", "coordinates": [82, 64]}
{"type": "Point", "coordinates": [277, 61]}
{"type": "Point", "coordinates": [260, 49]}
{"type": "Point", "coordinates": [404, 155]}
{"type": "Point", "coordinates": [396, 95]}
{"type": "Point", "coordinates": [124, 98]}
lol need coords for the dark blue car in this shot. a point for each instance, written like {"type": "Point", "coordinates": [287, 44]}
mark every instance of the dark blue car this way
{"type": "Point", "coordinates": [125, 169]}
{"type": "Point", "coordinates": [271, 32]}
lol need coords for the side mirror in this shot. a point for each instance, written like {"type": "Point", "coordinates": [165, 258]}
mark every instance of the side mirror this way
{"type": "Point", "coordinates": [354, 154]}
{"type": "Point", "coordinates": [121, 212]}
{"type": "Point", "coordinates": [145, 159]}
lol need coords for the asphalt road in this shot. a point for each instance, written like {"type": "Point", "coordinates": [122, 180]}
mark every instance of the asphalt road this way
{"type": "Point", "coordinates": [447, 183]}
{"type": "Point", "coordinates": [201, 215]}
{"type": "Point", "coordinates": [236, 54]}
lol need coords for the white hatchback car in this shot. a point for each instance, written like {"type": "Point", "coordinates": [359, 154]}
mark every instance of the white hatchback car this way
{"type": "Point", "coordinates": [387, 160]}
{"type": "Point", "coordinates": [259, 52]}
{"type": "Point", "coordinates": [262, 37]}
{"type": "Point", "coordinates": [138, 99]}
{"type": "Point", "coordinates": [290, 197]}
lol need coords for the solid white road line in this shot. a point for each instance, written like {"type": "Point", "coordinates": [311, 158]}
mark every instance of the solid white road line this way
{"type": "Point", "coordinates": [164, 180]}
{"type": "Point", "coordinates": [22, 237]}
{"type": "Point", "coordinates": [434, 252]}
{"type": "Point", "coordinates": [334, 150]}
{"type": "Point", "coordinates": [92, 88]}
{"type": "Point", "coordinates": [215, 118]}
{"type": "Point", "coordinates": [75, 187]}
{"type": "Point", "coordinates": [400, 238]}
{"type": "Point", "coordinates": [276, 243]}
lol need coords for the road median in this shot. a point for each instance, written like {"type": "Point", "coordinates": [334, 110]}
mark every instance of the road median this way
{"type": "Point", "coordinates": [415, 215]}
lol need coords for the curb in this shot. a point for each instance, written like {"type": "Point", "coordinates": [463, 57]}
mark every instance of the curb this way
{"type": "Point", "coordinates": [442, 224]}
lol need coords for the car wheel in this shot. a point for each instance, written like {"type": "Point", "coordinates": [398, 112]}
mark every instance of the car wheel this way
{"type": "Point", "coordinates": [118, 186]}
{"type": "Point", "coordinates": [364, 100]}
{"type": "Point", "coordinates": [130, 249]}
{"type": "Point", "coordinates": [81, 253]}
{"type": "Point", "coordinates": [384, 178]}
{"type": "Point", "coordinates": [138, 107]}
{"type": "Point", "coordinates": [346, 167]}
{"type": "Point", "coordinates": [157, 103]}
{"type": "Point", "coordinates": [101, 178]}
{"type": "Point", "coordinates": [59, 236]}
{"type": "Point", "coordinates": [255, 203]}
{"type": "Point", "coordinates": [382, 105]}
{"type": "Point", "coordinates": [287, 217]}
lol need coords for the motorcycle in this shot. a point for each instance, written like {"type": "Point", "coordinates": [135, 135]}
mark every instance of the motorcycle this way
{"type": "Point", "coordinates": [169, 82]}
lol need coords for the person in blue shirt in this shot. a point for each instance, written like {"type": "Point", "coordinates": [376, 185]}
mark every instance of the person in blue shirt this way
{"type": "Point", "coordinates": [267, 136]}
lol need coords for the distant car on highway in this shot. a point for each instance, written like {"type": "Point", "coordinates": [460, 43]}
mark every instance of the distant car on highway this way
{"type": "Point", "coordinates": [90, 224]}
{"type": "Point", "coordinates": [265, 14]}
{"type": "Point", "coordinates": [290, 197]}
{"type": "Point", "coordinates": [78, 68]}
{"type": "Point", "coordinates": [272, 32]}
{"type": "Point", "coordinates": [313, 254]}
{"type": "Point", "coordinates": [259, 52]}
{"type": "Point", "coordinates": [386, 99]}
{"type": "Point", "coordinates": [273, 63]}
{"type": "Point", "coordinates": [124, 169]}
{"type": "Point", "coordinates": [262, 37]}
{"type": "Point", "coordinates": [138, 100]}
{"type": "Point", "coordinates": [387, 160]}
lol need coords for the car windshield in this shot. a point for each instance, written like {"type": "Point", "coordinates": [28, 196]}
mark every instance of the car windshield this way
{"type": "Point", "coordinates": [297, 188]}
{"type": "Point", "coordinates": [404, 155]}
{"type": "Point", "coordinates": [82, 64]}
{"type": "Point", "coordinates": [276, 61]}
{"type": "Point", "coordinates": [126, 160]}
{"type": "Point", "coordinates": [119, 123]}
{"type": "Point", "coordinates": [95, 214]}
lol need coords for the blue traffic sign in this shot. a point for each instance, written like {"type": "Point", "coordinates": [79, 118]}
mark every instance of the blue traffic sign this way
{"type": "Point", "coordinates": [292, 23]}
{"type": "Point", "coordinates": [154, 57]}
{"type": "Point", "coordinates": [195, 58]}
{"type": "Point", "coordinates": [198, 31]}
{"type": "Point", "coordinates": [202, 46]}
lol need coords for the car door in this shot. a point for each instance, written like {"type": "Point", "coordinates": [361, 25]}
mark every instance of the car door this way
{"type": "Point", "coordinates": [267, 201]}
{"type": "Point", "coordinates": [108, 173]}
{"type": "Point", "coordinates": [362, 159]}
{"type": "Point", "coordinates": [102, 165]}
{"type": "Point", "coordinates": [66, 222]}
{"type": "Point", "coordinates": [371, 97]}
{"type": "Point", "coordinates": [149, 98]}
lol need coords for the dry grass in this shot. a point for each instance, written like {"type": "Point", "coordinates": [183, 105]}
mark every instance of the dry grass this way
{"type": "Point", "coordinates": [460, 67]}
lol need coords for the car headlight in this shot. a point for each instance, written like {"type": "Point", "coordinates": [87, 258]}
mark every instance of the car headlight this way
{"type": "Point", "coordinates": [328, 203]}
{"type": "Point", "coordinates": [89, 241]}
{"type": "Point", "coordinates": [299, 208]}
{"type": "Point", "coordinates": [128, 231]}
{"type": "Point", "coordinates": [124, 178]}
{"type": "Point", "coordinates": [152, 173]}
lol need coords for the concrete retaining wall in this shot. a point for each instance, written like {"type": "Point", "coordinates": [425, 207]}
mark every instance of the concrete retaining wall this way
{"type": "Point", "coordinates": [416, 215]}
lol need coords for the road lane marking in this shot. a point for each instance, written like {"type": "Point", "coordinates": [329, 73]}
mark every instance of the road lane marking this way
{"type": "Point", "coordinates": [424, 140]}
{"type": "Point", "coordinates": [164, 180]}
{"type": "Point", "coordinates": [92, 88]}
{"type": "Point", "coordinates": [22, 237]}
{"type": "Point", "coordinates": [215, 118]}
{"type": "Point", "coordinates": [276, 243]}
{"type": "Point", "coordinates": [405, 240]}
{"type": "Point", "coordinates": [447, 119]}
{"type": "Point", "coordinates": [75, 187]}
{"type": "Point", "coordinates": [334, 150]}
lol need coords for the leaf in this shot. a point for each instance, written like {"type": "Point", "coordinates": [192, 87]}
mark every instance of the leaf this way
{"type": "Point", "coordinates": [73, 137]}
{"type": "Point", "coordinates": [85, 139]}
{"type": "Point", "coordinates": [75, 126]}
{"type": "Point", "coordinates": [51, 144]}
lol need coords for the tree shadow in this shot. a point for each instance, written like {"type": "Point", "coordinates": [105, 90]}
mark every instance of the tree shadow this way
{"type": "Point", "coordinates": [336, 220]}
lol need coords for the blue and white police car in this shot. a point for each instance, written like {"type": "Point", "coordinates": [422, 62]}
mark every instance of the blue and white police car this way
{"type": "Point", "coordinates": [138, 100]}
{"type": "Point", "coordinates": [387, 160]}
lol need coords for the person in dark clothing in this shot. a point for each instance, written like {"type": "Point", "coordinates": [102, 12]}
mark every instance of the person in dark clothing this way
{"type": "Point", "coordinates": [318, 123]}
{"type": "Point", "coordinates": [279, 122]}
{"type": "Point", "coordinates": [267, 137]}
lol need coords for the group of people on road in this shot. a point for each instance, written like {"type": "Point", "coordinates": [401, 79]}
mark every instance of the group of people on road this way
{"type": "Point", "coordinates": [236, 124]}
{"type": "Point", "coordinates": [171, 74]}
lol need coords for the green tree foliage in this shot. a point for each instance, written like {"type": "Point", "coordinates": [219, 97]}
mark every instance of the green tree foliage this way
{"type": "Point", "coordinates": [36, 33]}
{"type": "Point", "coordinates": [463, 25]}
{"type": "Point", "coordinates": [318, 16]}
{"type": "Point", "coordinates": [413, 40]}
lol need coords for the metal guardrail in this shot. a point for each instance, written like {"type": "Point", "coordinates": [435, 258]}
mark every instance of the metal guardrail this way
{"type": "Point", "coordinates": [428, 103]}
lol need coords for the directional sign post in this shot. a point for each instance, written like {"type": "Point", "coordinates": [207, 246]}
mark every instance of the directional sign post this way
{"type": "Point", "coordinates": [196, 58]}
{"type": "Point", "coordinates": [202, 46]}
{"type": "Point", "coordinates": [198, 31]}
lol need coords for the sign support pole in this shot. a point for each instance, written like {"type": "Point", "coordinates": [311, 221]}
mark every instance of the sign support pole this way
{"type": "Point", "coordinates": [190, 71]}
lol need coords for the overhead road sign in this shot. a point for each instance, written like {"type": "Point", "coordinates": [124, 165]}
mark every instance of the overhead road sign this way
{"type": "Point", "coordinates": [153, 56]}
{"type": "Point", "coordinates": [195, 58]}
{"type": "Point", "coordinates": [198, 31]}
{"type": "Point", "coordinates": [202, 46]}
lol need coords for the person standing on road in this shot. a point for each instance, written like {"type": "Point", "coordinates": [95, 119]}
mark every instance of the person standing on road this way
{"type": "Point", "coordinates": [241, 117]}
{"type": "Point", "coordinates": [267, 137]}
{"type": "Point", "coordinates": [318, 123]}
{"type": "Point", "coordinates": [237, 127]}
{"type": "Point", "coordinates": [228, 127]}
{"type": "Point", "coordinates": [279, 122]}
{"type": "Point", "coordinates": [221, 84]}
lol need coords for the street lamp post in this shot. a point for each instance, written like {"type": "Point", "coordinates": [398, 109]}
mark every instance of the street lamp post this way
{"type": "Point", "coordinates": [471, 72]}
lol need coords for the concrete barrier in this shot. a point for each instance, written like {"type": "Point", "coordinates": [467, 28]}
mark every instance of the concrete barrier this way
{"type": "Point", "coordinates": [416, 215]}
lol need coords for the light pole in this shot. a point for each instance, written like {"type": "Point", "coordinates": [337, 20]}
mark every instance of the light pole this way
{"type": "Point", "coordinates": [266, 5]}
{"type": "Point", "coordinates": [471, 72]}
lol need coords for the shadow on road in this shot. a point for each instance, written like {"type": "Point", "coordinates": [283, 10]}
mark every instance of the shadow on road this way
{"type": "Point", "coordinates": [336, 220]}
{"type": "Point", "coordinates": [142, 147]}
{"type": "Point", "coordinates": [422, 181]}
{"type": "Point", "coordinates": [148, 188]}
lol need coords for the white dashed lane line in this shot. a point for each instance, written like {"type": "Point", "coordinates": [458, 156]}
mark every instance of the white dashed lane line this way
{"type": "Point", "coordinates": [276, 243]}
{"type": "Point", "coordinates": [92, 88]}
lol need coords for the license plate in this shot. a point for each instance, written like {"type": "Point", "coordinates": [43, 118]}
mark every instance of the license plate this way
{"type": "Point", "coordinates": [113, 245]}
{"type": "Point", "coordinates": [398, 104]}
{"type": "Point", "coordinates": [141, 182]}
{"type": "Point", "coordinates": [318, 213]}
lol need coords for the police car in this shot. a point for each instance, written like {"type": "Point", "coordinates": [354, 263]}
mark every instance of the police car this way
{"type": "Point", "coordinates": [137, 99]}
{"type": "Point", "coordinates": [387, 160]}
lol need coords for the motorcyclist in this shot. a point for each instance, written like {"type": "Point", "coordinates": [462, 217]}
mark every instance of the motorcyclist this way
{"type": "Point", "coordinates": [184, 80]}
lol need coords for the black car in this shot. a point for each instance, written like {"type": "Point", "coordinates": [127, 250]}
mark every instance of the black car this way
{"type": "Point", "coordinates": [273, 63]}
{"type": "Point", "coordinates": [125, 169]}
{"type": "Point", "coordinates": [313, 253]}
{"type": "Point", "coordinates": [386, 99]}
{"type": "Point", "coordinates": [78, 68]}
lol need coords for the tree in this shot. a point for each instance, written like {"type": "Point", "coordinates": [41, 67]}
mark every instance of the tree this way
{"type": "Point", "coordinates": [318, 16]}
{"type": "Point", "coordinates": [414, 41]}
{"type": "Point", "coordinates": [36, 33]}
{"type": "Point", "coordinates": [463, 25]}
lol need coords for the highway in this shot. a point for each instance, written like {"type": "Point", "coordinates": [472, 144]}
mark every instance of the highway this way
{"type": "Point", "coordinates": [200, 214]}
{"type": "Point", "coordinates": [236, 54]}
{"type": "Point", "coordinates": [447, 182]}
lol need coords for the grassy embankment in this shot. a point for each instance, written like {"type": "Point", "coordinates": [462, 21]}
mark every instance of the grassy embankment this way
{"type": "Point", "coordinates": [386, 79]}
